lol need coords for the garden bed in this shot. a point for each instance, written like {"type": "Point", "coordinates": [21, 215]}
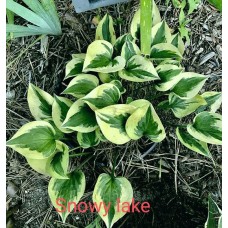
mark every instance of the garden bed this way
{"type": "Point", "coordinates": [175, 180]}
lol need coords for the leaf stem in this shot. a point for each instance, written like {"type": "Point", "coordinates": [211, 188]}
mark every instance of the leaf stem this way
{"type": "Point", "coordinates": [145, 26]}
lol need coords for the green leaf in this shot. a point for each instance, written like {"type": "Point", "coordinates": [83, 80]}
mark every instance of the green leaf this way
{"type": "Point", "coordinates": [62, 191]}
{"type": "Point", "coordinates": [184, 107]}
{"type": "Point", "coordinates": [161, 33]}
{"type": "Point", "coordinates": [169, 76]}
{"type": "Point", "coordinates": [192, 6]}
{"type": "Point", "coordinates": [190, 85]}
{"type": "Point", "coordinates": [59, 164]}
{"type": "Point", "coordinates": [129, 49]}
{"type": "Point", "coordinates": [43, 15]}
{"type": "Point", "coordinates": [102, 96]}
{"type": "Point", "coordinates": [34, 140]}
{"type": "Point", "coordinates": [108, 190]}
{"type": "Point", "coordinates": [213, 99]}
{"type": "Point", "coordinates": [40, 103]}
{"type": "Point", "coordinates": [112, 120]}
{"type": "Point", "coordinates": [56, 165]}
{"type": "Point", "coordinates": [144, 121]}
{"type": "Point", "coordinates": [139, 69]}
{"type": "Point", "coordinates": [80, 118]}
{"type": "Point", "coordinates": [99, 58]}
{"type": "Point", "coordinates": [105, 30]}
{"type": "Point", "coordinates": [108, 77]}
{"type": "Point", "coordinates": [217, 4]}
{"type": "Point", "coordinates": [75, 66]}
{"type": "Point", "coordinates": [135, 24]}
{"type": "Point", "coordinates": [120, 42]}
{"type": "Point", "coordinates": [191, 143]}
{"type": "Point", "coordinates": [119, 85]}
{"type": "Point", "coordinates": [207, 127]}
{"type": "Point", "coordinates": [213, 213]}
{"type": "Point", "coordinates": [163, 51]}
{"type": "Point", "coordinates": [87, 140]}
{"type": "Point", "coordinates": [178, 42]}
{"type": "Point", "coordinates": [81, 85]}
{"type": "Point", "coordinates": [60, 107]}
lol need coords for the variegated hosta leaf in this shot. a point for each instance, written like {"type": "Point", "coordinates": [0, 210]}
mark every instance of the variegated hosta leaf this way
{"type": "Point", "coordinates": [80, 118]}
{"type": "Point", "coordinates": [119, 85]}
{"type": "Point", "coordinates": [112, 120]}
{"type": "Point", "coordinates": [190, 85]}
{"type": "Point", "coordinates": [56, 165]}
{"type": "Point", "coordinates": [108, 77]}
{"type": "Point", "coordinates": [62, 191]}
{"type": "Point", "coordinates": [213, 99]}
{"type": "Point", "coordinates": [192, 143]}
{"type": "Point", "coordinates": [135, 24]}
{"type": "Point", "coordinates": [81, 85]}
{"type": "Point", "coordinates": [169, 75]}
{"type": "Point", "coordinates": [178, 42]}
{"type": "Point", "coordinates": [75, 66]}
{"type": "Point", "coordinates": [161, 33]}
{"type": "Point", "coordinates": [40, 103]}
{"type": "Point", "coordinates": [87, 140]}
{"type": "Point", "coordinates": [105, 30]}
{"type": "Point", "coordinates": [99, 58]}
{"type": "Point", "coordinates": [109, 190]}
{"type": "Point", "coordinates": [129, 49]}
{"type": "Point", "coordinates": [60, 107]}
{"type": "Point", "coordinates": [144, 122]}
{"type": "Point", "coordinates": [100, 135]}
{"type": "Point", "coordinates": [170, 62]}
{"type": "Point", "coordinates": [183, 107]}
{"type": "Point", "coordinates": [207, 127]}
{"type": "Point", "coordinates": [102, 96]}
{"type": "Point", "coordinates": [214, 214]}
{"type": "Point", "coordinates": [163, 51]}
{"type": "Point", "coordinates": [79, 55]}
{"type": "Point", "coordinates": [139, 69]}
{"type": "Point", "coordinates": [120, 42]}
{"type": "Point", "coordinates": [34, 140]}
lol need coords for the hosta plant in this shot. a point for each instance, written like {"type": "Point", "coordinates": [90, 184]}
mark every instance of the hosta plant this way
{"type": "Point", "coordinates": [93, 108]}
